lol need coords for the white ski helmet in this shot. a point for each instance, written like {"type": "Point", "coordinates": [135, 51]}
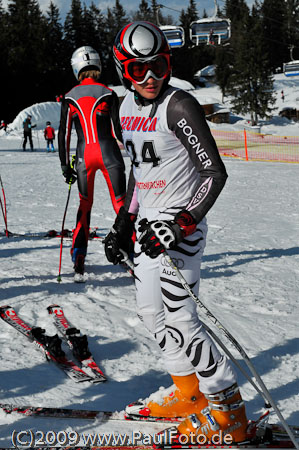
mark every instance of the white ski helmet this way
{"type": "Point", "coordinates": [141, 50]}
{"type": "Point", "coordinates": [84, 57]}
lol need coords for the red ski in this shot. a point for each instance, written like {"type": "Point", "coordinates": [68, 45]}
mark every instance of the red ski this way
{"type": "Point", "coordinates": [49, 345]}
{"type": "Point", "coordinates": [77, 343]}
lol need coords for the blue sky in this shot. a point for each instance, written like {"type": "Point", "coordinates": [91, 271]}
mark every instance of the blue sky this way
{"type": "Point", "coordinates": [132, 5]}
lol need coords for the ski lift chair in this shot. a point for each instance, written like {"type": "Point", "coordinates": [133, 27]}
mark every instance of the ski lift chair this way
{"type": "Point", "coordinates": [175, 35]}
{"type": "Point", "coordinates": [204, 30]}
{"type": "Point", "coordinates": [291, 68]}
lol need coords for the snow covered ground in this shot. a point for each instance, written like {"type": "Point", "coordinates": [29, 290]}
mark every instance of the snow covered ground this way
{"type": "Point", "coordinates": [249, 281]}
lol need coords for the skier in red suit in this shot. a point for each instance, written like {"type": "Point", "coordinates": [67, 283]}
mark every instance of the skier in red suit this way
{"type": "Point", "coordinates": [93, 109]}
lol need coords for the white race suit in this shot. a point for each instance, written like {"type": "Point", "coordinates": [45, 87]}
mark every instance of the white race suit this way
{"type": "Point", "coordinates": [175, 166]}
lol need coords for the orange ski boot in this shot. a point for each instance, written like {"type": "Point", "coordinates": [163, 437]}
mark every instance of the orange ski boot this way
{"type": "Point", "coordinates": [180, 400]}
{"type": "Point", "coordinates": [225, 413]}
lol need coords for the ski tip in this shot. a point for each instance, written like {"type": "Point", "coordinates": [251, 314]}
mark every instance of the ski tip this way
{"type": "Point", "coordinates": [50, 308]}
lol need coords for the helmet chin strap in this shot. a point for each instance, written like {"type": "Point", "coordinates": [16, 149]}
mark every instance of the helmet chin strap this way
{"type": "Point", "coordinates": [142, 101]}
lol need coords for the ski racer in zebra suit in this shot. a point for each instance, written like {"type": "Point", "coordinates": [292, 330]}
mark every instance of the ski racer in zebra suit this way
{"type": "Point", "coordinates": [93, 108]}
{"type": "Point", "coordinates": [176, 176]}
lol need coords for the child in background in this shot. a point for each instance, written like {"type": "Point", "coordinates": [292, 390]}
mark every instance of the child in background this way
{"type": "Point", "coordinates": [49, 134]}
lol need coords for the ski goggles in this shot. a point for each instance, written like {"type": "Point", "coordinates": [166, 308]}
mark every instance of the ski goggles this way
{"type": "Point", "coordinates": [139, 71]}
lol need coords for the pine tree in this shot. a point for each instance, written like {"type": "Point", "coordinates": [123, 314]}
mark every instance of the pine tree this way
{"type": "Point", "coordinates": [292, 28]}
{"type": "Point", "coordinates": [144, 12]}
{"type": "Point", "coordinates": [186, 18]}
{"type": "Point", "coordinates": [57, 59]}
{"type": "Point", "coordinates": [54, 32]}
{"type": "Point", "coordinates": [190, 58]}
{"type": "Point", "coordinates": [93, 32]}
{"type": "Point", "coordinates": [4, 73]}
{"type": "Point", "coordinates": [26, 27]}
{"type": "Point", "coordinates": [251, 82]}
{"type": "Point", "coordinates": [119, 15]}
{"type": "Point", "coordinates": [274, 20]}
{"type": "Point", "coordinates": [115, 21]}
{"type": "Point", "coordinates": [224, 68]}
{"type": "Point", "coordinates": [96, 21]}
{"type": "Point", "coordinates": [192, 13]}
{"type": "Point", "coordinates": [74, 27]}
{"type": "Point", "coordinates": [237, 12]}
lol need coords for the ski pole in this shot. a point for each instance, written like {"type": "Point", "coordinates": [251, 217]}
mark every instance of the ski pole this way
{"type": "Point", "coordinates": [127, 260]}
{"type": "Point", "coordinates": [131, 266]}
{"type": "Point", "coordinates": [237, 364]}
{"type": "Point", "coordinates": [3, 208]}
{"type": "Point", "coordinates": [36, 131]}
{"type": "Point", "coordinates": [234, 342]}
{"type": "Point", "coordinates": [63, 221]}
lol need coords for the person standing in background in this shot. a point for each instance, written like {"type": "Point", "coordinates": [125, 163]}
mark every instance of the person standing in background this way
{"type": "Point", "coordinates": [27, 126]}
{"type": "Point", "coordinates": [3, 125]}
{"type": "Point", "coordinates": [49, 134]}
{"type": "Point", "coordinates": [93, 108]}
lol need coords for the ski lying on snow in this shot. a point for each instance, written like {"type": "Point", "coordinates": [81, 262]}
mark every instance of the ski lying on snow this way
{"type": "Point", "coordinates": [49, 345]}
{"type": "Point", "coordinates": [71, 413]}
{"type": "Point", "coordinates": [65, 413]}
{"type": "Point", "coordinates": [11, 234]}
{"type": "Point", "coordinates": [49, 234]}
{"type": "Point", "coordinates": [76, 342]}
{"type": "Point", "coordinates": [60, 413]}
{"type": "Point", "coordinates": [265, 435]}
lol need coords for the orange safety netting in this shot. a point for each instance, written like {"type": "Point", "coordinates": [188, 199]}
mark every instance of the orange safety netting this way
{"type": "Point", "coordinates": [257, 146]}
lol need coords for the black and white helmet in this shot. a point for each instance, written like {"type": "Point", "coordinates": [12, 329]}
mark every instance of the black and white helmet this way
{"type": "Point", "coordinates": [140, 51]}
{"type": "Point", "coordinates": [85, 57]}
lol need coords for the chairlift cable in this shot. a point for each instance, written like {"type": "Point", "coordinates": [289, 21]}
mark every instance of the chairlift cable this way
{"type": "Point", "coordinates": [236, 7]}
{"type": "Point", "coordinates": [266, 17]}
{"type": "Point", "coordinates": [163, 6]}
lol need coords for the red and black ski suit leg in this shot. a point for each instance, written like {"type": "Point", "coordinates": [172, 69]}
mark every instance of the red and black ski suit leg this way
{"type": "Point", "coordinates": [93, 109]}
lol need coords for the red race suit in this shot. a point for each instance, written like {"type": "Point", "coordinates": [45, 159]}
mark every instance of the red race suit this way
{"type": "Point", "coordinates": [93, 109]}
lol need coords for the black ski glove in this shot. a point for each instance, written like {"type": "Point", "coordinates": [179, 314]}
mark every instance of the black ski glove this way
{"type": "Point", "coordinates": [69, 174]}
{"type": "Point", "coordinates": [161, 235]}
{"type": "Point", "coordinates": [120, 237]}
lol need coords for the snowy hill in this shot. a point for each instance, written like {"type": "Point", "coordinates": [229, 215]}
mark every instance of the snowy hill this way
{"type": "Point", "coordinates": [41, 113]}
{"type": "Point", "coordinates": [249, 281]}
